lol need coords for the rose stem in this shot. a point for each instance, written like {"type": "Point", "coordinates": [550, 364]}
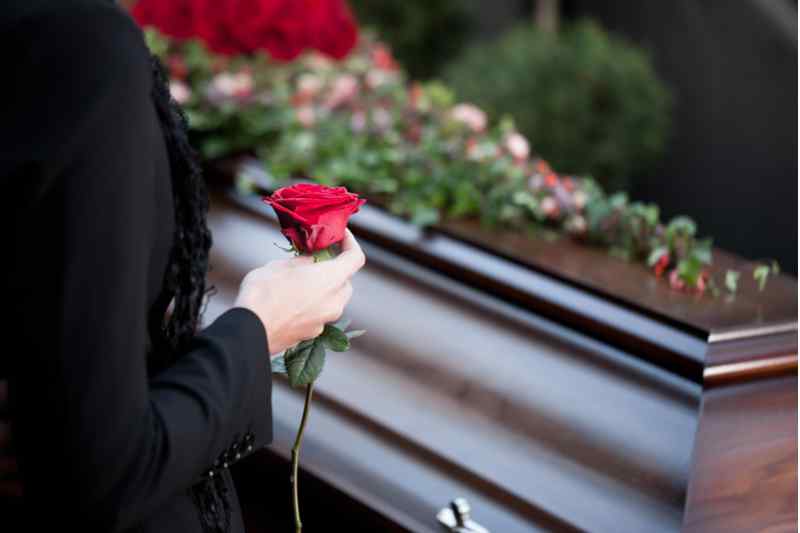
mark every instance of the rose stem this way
{"type": "Point", "coordinates": [296, 456]}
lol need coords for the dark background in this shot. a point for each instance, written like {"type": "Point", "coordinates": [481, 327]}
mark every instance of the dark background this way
{"type": "Point", "coordinates": [732, 67]}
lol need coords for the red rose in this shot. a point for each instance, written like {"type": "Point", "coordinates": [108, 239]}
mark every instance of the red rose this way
{"type": "Point", "coordinates": [217, 28]}
{"type": "Point", "coordinates": [313, 217]}
{"type": "Point", "coordinates": [172, 17]}
{"type": "Point", "coordinates": [332, 28]}
{"type": "Point", "coordinates": [277, 26]}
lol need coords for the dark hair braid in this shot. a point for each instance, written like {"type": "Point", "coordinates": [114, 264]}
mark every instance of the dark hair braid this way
{"type": "Point", "coordinates": [185, 278]}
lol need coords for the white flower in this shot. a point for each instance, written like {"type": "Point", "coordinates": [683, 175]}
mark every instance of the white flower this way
{"type": "Point", "coordinates": [317, 61]}
{"type": "Point", "coordinates": [180, 91]}
{"type": "Point", "coordinates": [377, 78]}
{"type": "Point", "coordinates": [227, 85]}
{"type": "Point", "coordinates": [579, 198]}
{"type": "Point", "coordinates": [309, 84]}
{"type": "Point", "coordinates": [381, 118]}
{"type": "Point", "coordinates": [517, 146]}
{"type": "Point", "coordinates": [469, 115]}
{"type": "Point", "coordinates": [577, 225]}
{"type": "Point", "coordinates": [550, 206]}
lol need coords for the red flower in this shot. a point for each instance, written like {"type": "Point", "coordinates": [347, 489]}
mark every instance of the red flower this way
{"type": "Point", "coordinates": [382, 58]}
{"type": "Point", "coordinates": [278, 26]}
{"type": "Point", "coordinates": [284, 28]}
{"type": "Point", "coordinates": [177, 67]}
{"type": "Point", "coordinates": [216, 25]}
{"type": "Point", "coordinates": [172, 17]}
{"type": "Point", "coordinates": [661, 265]}
{"type": "Point", "coordinates": [313, 217]}
{"type": "Point", "coordinates": [332, 28]}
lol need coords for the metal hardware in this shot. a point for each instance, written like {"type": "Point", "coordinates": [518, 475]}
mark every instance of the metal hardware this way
{"type": "Point", "coordinates": [456, 518]}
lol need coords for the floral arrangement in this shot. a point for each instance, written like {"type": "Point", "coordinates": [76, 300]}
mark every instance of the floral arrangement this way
{"type": "Point", "coordinates": [413, 149]}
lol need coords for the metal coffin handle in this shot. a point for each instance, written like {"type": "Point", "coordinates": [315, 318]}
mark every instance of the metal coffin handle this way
{"type": "Point", "coordinates": [456, 518]}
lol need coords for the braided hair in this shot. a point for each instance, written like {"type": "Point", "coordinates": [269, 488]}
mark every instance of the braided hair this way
{"type": "Point", "coordinates": [185, 278]}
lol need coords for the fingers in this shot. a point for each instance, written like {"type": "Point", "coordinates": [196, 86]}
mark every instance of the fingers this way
{"type": "Point", "coordinates": [351, 259]}
{"type": "Point", "coordinates": [339, 301]}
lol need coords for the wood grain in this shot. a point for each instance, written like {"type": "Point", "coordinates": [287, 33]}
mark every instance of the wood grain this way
{"type": "Point", "coordinates": [745, 460]}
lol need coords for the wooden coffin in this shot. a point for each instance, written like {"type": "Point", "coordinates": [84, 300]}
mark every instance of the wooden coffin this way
{"type": "Point", "coordinates": [554, 387]}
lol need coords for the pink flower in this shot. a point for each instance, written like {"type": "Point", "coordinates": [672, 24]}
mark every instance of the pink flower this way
{"type": "Point", "coordinates": [675, 280]}
{"type": "Point", "coordinates": [179, 91]}
{"type": "Point", "coordinates": [517, 145]}
{"type": "Point", "coordinates": [550, 207]}
{"type": "Point", "coordinates": [231, 86]}
{"type": "Point", "coordinates": [469, 115]}
{"type": "Point", "coordinates": [305, 116]}
{"type": "Point", "coordinates": [345, 88]}
{"type": "Point", "coordinates": [358, 122]}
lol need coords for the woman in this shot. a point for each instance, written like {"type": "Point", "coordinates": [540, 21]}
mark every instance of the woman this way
{"type": "Point", "coordinates": [125, 419]}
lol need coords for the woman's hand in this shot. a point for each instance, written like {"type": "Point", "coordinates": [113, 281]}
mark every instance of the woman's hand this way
{"type": "Point", "coordinates": [295, 298]}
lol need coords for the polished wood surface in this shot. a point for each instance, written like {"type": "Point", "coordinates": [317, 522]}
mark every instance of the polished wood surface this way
{"type": "Point", "coordinates": [717, 317]}
{"type": "Point", "coordinates": [453, 391]}
{"type": "Point", "coordinates": [745, 460]}
{"type": "Point", "coordinates": [589, 420]}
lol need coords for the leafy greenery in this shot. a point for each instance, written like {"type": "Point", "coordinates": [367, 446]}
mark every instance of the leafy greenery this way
{"type": "Point", "coordinates": [415, 150]}
{"type": "Point", "coordinates": [590, 102]}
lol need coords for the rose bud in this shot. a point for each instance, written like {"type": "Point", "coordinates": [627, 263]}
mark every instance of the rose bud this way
{"type": "Point", "coordinates": [313, 217]}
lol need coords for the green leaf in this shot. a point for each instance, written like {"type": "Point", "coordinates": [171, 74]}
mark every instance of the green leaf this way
{"type": "Point", "coordinates": [657, 254]}
{"type": "Point", "coordinates": [689, 270]}
{"type": "Point", "coordinates": [278, 365]}
{"type": "Point", "coordinates": [342, 323]}
{"type": "Point", "coordinates": [681, 225]}
{"type": "Point", "coordinates": [760, 274]}
{"type": "Point", "coordinates": [732, 280]}
{"type": "Point", "coordinates": [354, 333]}
{"type": "Point", "coordinates": [702, 251]}
{"type": "Point", "coordinates": [424, 216]}
{"type": "Point", "coordinates": [304, 362]}
{"type": "Point", "coordinates": [335, 339]}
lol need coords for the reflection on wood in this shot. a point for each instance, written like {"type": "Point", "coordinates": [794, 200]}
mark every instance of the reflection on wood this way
{"type": "Point", "coordinates": [745, 473]}
{"type": "Point", "coordinates": [453, 392]}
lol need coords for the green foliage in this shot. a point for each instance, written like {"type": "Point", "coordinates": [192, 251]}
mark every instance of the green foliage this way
{"type": "Point", "coordinates": [413, 150]}
{"type": "Point", "coordinates": [589, 102]}
{"type": "Point", "coordinates": [424, 34]}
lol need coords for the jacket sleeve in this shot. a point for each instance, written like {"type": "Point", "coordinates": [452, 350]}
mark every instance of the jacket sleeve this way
{"type": "Point", "coordinates": [100, 442]}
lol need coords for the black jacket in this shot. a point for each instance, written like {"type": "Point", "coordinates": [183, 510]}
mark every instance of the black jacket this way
{"type": "Point", "coordinates": [88, 220]}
